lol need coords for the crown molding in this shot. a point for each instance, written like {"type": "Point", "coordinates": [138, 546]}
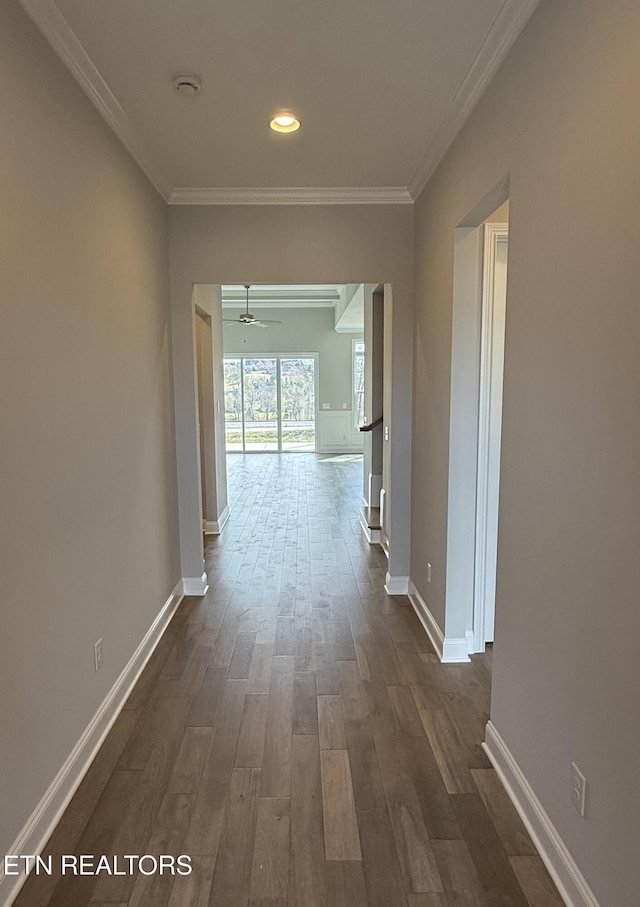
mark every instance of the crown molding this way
{"type": "Point", "coordinates": [508, 24]}
{"type": "Point", "coordinates": [386, 195]}
{"type": "Point", "coordinates": [278, 297]}
{"type": "Point", "coordinates": [64, 42]}
{"type": "Point", "coordinates": [284, 304]}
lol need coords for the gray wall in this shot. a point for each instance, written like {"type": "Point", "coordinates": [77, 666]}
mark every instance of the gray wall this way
{"type": "Point", "coordinates": [294, 244]}
{"type": "Point", "coordinates": [561, 119]}
{"type": "Point", "coordinates": [87, 531]}
{"type": "Point", "coordinates": [302, 331]}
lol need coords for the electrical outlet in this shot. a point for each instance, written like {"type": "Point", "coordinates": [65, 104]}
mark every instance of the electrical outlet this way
{"type": "Point", "coordinates": [326, 406]}
{"type": "Point", "coordinates": [428, 572]}
{"type": "Point", "coordinates": [98, 654]}
{"type": "Point", "coordinates": [578, 788]}
{"type": "Point", "coordinates": [344, 405]}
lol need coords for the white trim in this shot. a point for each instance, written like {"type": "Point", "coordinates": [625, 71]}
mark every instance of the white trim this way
{"type": "Point", "coordinates": [215, 527]}
{"type": "Point", "coordinates": [383, 503]}
{"type": "Point", "coordinates": [463, 430]}
{"type": "Point", "coordinates": [492, 316]}
{"type": "Point", "coordinates": [450, 651]}
{"type": "Point", "coordinates": [563, 869]}
{"type": "Point", "coordinates": [277, 295]}
{"type": "Point", "coordinates": [508, 24]}
{"type": "Point", "coordinates": [47, 814]}
{"type": "Point", "coordinates": [375, 195]}
{"type": "Point", "coordinates": [291, 303]}
{"type": "Point", "coordinates": [371, 535]}
{"type": "Point", "coordinates": [64, 42]}
{"type": "Point", "coordinates": [396, 585]}
{"type": "Point", "coordinates": [455, 650]}
{"type": "Point", "coordinates": [195, 585]}
{"type": "Point", "coordinates": [427, 619]}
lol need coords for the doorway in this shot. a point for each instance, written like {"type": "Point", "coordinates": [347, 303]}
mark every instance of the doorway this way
{"type": "Point", "coordinates": [270, 403]}
{"type": "Point", "coordinates": [477, 361]}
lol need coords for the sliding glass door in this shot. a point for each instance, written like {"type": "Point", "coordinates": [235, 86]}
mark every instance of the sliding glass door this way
{"type": "Point", "coordinates": [270, 403]}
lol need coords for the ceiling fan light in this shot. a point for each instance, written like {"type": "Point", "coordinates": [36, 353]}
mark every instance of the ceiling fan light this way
{"type": "Point", "coordinates": [246, 318]}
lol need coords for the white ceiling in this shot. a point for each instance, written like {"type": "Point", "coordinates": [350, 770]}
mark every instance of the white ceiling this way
{"type": "Point", "coordinates": [282, 296]}
{"type": "Point", "coordinates": [381, 88]}
{"type": "Point", "coordinates": [347, 300]}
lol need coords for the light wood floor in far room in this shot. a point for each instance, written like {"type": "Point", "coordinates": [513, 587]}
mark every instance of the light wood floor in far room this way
{"type": "Point", "coordinates": [296, 735]}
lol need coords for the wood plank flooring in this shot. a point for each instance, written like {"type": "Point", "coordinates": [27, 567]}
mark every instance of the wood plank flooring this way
{"type": "Point", "coordinates": [295, 734]}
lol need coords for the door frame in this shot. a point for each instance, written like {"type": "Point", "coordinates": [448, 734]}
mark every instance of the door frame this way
{"type": "Point", "coordinates": [492, 321]}
{"type": "Point", "coordinates": [457, 640]}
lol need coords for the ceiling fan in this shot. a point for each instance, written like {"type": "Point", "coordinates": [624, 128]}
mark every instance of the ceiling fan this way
{"type": "Point", "coordinates": [247, 318]}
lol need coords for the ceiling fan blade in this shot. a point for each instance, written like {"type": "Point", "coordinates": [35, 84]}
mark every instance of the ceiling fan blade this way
{"type": "Point", "coordinates": [269, 321]}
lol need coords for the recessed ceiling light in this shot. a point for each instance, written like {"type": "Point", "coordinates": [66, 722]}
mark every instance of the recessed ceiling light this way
{"type": "Point", "coordinates": [284, 122]}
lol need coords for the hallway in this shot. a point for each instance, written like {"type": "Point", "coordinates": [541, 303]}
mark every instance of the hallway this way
{"type": "Point", "coordinates": [295, 734]}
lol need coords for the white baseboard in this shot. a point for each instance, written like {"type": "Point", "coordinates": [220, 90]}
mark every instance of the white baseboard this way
{"type": "Point", "coordinates": [455, 650]}
{"type": "Point", "coordinates": [563, 869]}
{"type": "Point", "coordinates": [49, 810]}
{"type": "Point", "coordinates": [427, 619]}
{"type": "Point", "coordinates": [215, 527]}
{"type": "Point", "coordinates": [195, 585]}
{"type": "Point", "coordinates": [450, 650]}
{"type": "Point", "coordinates": [396, 585]}
{"type": "Point", "coordinates": [371, 535]}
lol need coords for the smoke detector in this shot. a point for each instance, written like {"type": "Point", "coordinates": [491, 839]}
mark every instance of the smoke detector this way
{"type": "Point", "coordinates": [187, 83]}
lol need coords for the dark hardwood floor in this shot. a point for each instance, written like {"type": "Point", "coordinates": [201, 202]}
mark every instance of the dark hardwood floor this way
{"type": "Point", "coordinates": [295, 734]}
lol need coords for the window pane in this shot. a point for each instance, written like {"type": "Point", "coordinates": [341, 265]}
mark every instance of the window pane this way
{"type": "Point", "coordinates": [298, 401]}
{"type": "Point", "coordinates": [358, 383]}
{"type": "Point", "coordinates": [232, 404]}
{"type": "Point", "coordinates": [260, 404]}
